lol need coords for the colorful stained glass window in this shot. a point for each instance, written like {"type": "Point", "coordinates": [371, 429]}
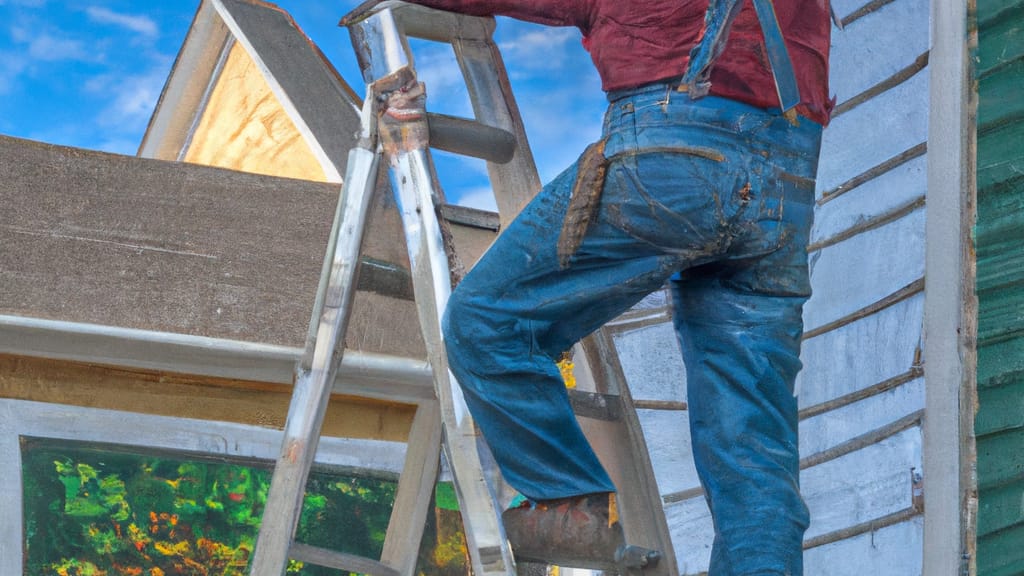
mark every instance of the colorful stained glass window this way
{"type": "Point", "coordinates": [113, 511]}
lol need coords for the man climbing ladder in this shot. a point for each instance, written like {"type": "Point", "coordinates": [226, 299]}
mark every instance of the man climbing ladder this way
{"type": "Point", "coordinates": [714, 194]}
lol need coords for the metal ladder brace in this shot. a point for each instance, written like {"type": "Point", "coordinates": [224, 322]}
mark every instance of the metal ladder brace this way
{"type": "Point", "coordinates": [379, 32]}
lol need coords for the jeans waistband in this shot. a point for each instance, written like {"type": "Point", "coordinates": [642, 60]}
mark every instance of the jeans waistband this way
{"type": "Point", "coordinates": [659, 86]}
{"type": "Point", "coordinates": [655, 112]}
{"type": "Point", "coordinates": [669, 88]}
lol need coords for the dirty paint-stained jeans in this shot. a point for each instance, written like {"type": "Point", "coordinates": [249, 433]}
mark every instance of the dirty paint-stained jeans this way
{"type": "Point", "coordinates": [715, 197]}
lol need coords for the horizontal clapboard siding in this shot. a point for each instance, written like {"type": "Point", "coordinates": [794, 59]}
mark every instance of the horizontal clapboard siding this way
{"type": "Point", "coordinates": [1000, 286]}
{"type": "Point", "coordinates": [862, 387]}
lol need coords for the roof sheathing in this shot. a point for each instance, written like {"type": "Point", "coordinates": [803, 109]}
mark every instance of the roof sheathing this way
{"type": "Point", "coordinates": [323, 108]}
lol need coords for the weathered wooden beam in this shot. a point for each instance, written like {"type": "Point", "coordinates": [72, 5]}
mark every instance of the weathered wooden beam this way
{"type": "Point", "coordinates": [950, 304]}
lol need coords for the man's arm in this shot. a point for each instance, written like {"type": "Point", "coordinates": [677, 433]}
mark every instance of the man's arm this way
{"type": "Point", "coordinates": [549, 12]}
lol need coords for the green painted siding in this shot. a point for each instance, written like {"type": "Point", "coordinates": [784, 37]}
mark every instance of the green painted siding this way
{"type": "Point", "coordinates": [1000, 258]}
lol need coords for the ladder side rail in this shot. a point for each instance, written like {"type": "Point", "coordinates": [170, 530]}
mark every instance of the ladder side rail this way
{"type": "Point", "coordinates": [411, 177]}
{"type": "Point", "coordinates": [313, 387]}
{"type": "Point", "coordinates": [641, 507]}
{"type": "Point", "coordinates": [415, 487]}
{"type": "Point", "coordinates": [423, 22]}
{"type": "Point", "coordinates": [490, 93]}
{"type": "Point", "coordinates": [385, 57]}
{"type": "Point", "coordinates": [306, 361]}
{"type": "Point", "coordinates": [516, 182]}
{"type": "Point", "coordinates": [472, 38]}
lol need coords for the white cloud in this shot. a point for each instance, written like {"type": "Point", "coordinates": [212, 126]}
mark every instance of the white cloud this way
{"type": "Point", "coordinates": [481, 198]}
{"type": "Point", "coordinates": [132, 98]}
{"type": "Point", "coordinates": [49, 48]}
{"type": "Point", "coordinates": [561, 120]}
{"type": "Point", "coordinates": [438, 69]}
{"type": "Point", "coordinates": [11, 67]}
{"type": "Point", "coordinates": [539, 48]}
{"type": "Point", "coordinates": [45, 46]}
{"type": "Point", "coordinates": [140, 24]}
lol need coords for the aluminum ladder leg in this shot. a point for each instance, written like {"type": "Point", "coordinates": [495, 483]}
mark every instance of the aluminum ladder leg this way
{"type": "Point", "coordinates": [602, 400]}
{"type": "Point", "coordinates": [497, 136]}
{"type": "Point", "coordinates": [412, 176]}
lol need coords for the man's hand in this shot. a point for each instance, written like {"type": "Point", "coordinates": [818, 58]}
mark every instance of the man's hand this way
{"type": "Point", "coordinates": [401, 111]}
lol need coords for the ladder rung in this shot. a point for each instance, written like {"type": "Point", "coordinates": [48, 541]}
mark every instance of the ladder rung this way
{"type": "Point", "coordinates": [339, 560]}
{"type": "Point", "coordinates": [426, 23]}
{"type": "Point", "coordinates": [607, 407]}
{"type": "Point", "coordinates": [471, 138]}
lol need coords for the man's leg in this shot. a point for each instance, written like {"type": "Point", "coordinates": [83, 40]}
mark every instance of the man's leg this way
{"type": "Point", "coordinates": [740, 324]}
{"type": "Point", "coordinates": [742, 355]}
{"type": "Point", "coordinates": [515, 313]}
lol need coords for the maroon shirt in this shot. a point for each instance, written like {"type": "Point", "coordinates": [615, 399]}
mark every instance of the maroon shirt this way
{"type": "Point", "coordinates": [636, 42]}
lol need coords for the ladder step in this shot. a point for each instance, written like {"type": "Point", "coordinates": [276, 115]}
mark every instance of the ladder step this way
{"type": "Point", "coordinates": [606, 407]}
{"type": "Point", "coordinates": [426, 23]}
{"type": "Point", "coordinates": [339, 560]}
{"type": "Point", "coordinates": [471, 138]}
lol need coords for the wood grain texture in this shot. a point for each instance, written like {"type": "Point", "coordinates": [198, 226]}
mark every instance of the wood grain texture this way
{"type": "Point", "coordinates": [865, 269]}
{"type": "Point", "coordinates": [183, 396]}
{"type": "Point", "coordinates": [893, 550]}
{"type": "Point", "coordinates": [999, 235]}
{"type": "Point", "coordinates": [874, 132]}
{"type": "Point", "coordinates": [877, 46]}
{"type": "Point", "coordinates": [244, 127]}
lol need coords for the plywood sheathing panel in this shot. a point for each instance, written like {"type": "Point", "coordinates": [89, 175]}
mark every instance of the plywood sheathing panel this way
{"type": "Point", "coordinates": [182, 396]}
{"type": "Point", "coordinates": [275, 75]}
{"type": "Point", "coordinates": [244, 127]}
{"type": "Point", "coordinates": [323, 107]}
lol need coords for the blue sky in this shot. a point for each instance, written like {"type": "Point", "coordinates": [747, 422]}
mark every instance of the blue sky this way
{"type": "Point", "coordinates": [88, 74]}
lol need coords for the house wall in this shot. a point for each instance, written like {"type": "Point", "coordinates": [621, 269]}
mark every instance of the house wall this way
{"type": "Point", "coordinates": [188, 396]}
{"type": "Point", "coordinates": [1000, 286]}
{"type": "Point", "coordinates": [861, 391]}
{"type": "Point", "coordinates": [862, 388]}
{"type": "Point", "coordinates": [184, 252]}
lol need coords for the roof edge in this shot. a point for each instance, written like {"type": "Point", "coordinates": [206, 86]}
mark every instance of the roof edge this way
{"type": "Point", "coordinates": [363, 374]}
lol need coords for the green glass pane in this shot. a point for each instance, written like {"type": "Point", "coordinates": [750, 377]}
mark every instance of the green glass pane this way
{"type": "Point", "coordinates": [110, 511]}
{"type": "Point", "coordinates": [445, 496]}
{"type": "Point", "coordinates": [443, 550]}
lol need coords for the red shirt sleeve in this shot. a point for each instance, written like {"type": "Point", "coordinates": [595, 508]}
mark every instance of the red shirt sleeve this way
{"type": "Point", "coordinates": [549, 12]}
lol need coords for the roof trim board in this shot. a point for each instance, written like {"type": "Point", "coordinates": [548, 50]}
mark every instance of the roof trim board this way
{"type": "Point", "coordinates": [200, 109]}
{"type": "Point", "coordinates": [950, 306]}
{"type": "Point", "coordinates": [366, 374]}
{"type": "Point", "coordinates": [182, 101]}
{"type": "Point", "coordinates": [282, 83]}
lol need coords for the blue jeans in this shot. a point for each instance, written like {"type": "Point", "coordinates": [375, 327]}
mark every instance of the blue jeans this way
{"type": "Point", "coordinates": [716, 198]}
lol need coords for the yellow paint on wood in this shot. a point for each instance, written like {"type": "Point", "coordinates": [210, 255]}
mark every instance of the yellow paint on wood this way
{"type": "Point", "coordinates": [184, 396]}
{"type": "Point", "coordinates": [244, 127]}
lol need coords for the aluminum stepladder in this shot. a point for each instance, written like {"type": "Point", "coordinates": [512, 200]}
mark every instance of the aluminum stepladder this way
{"type": "Point", "coordinates": [379, 32]}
